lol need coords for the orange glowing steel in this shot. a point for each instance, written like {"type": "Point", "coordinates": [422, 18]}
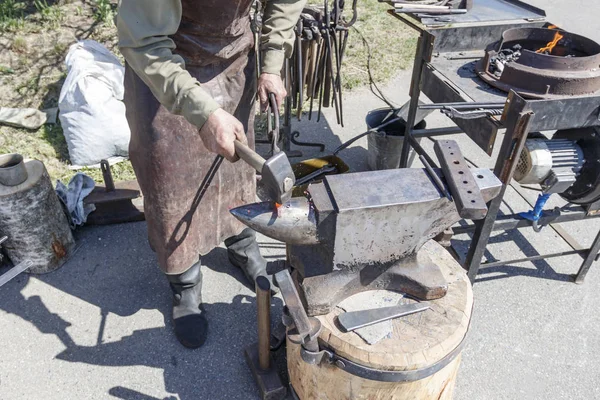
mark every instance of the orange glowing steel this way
{"type": "Point", "coordinates": [550, 46]}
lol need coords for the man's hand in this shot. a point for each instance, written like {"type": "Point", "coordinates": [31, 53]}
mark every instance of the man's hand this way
{"type": "Point", "coordinates": [219, 132]}
{"type": "Point", "coordinates": [270, 83]}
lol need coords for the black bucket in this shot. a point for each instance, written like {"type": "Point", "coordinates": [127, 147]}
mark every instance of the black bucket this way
{"type": "Point", "coordinates": [385, 145]}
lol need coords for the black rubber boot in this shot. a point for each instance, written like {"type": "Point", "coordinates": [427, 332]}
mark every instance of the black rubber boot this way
{"type": "Point", "coordinates": [188, 315]}
{"type": "Point", "coordinates": [244, 253]}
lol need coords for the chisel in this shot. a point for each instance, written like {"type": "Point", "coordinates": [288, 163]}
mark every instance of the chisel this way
{"type": "Point", "coordinates": [359, 319]}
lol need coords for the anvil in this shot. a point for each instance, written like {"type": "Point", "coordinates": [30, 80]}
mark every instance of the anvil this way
{"type": "Point", "coordinates": [363, 231]}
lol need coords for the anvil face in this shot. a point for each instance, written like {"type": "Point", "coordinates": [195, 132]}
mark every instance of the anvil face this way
{"type": "Point", "coordinates": [362, 218]}
{"type": "Point", "coordinates": [353, 229]}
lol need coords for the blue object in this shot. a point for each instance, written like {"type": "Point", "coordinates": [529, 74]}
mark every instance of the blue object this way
{"type": "Point", "coordinates": [535, 214]}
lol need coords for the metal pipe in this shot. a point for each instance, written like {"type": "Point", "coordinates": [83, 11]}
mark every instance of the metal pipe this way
{"type": "Point", "coordinates": [263, 316]}
{"type": "Point", "coordinates": [460, 105]}
{"type": "Point", "coordinates": [451, 130]}
{"type": "Point", "coordinates": [536, 258]}
{"type": "Point", "coordinates": [12, 170]}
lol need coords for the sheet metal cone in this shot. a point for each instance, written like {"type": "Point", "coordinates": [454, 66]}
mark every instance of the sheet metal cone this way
{"type": "Point", "coordinates": [292, 223]}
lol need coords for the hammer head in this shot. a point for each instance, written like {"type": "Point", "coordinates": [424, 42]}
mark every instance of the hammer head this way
{"type": "Point", "coordinates": [278, 178]}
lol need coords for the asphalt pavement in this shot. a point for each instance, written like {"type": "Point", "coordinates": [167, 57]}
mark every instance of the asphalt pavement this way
{"type": "Point", "coordinates": [99, 327]}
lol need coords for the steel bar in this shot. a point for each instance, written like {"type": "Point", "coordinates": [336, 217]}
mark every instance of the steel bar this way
{"type": "Point", "coordinates": [423, 54]}
{"type": "Point", "coordinates": [359, 319]}
{"type": "Point", "coordinates": [514, 221]}
{"type": "Point", "coordinates": [14, 271]}
{"type": "Point", "coordinates": [589, 259]}
{"type": "Point", "coordinates": [451, 130]}
{"type": "Point", "coordinates": [263, 316]}
{"type": "Point", "coordinates": [518, 122]}
{"type": "Point", "coordinates": [535, 258]}
{"type": "Point", "coordinates": [461, 105]}
{"type": "Point", "coordinates": [435, 177]}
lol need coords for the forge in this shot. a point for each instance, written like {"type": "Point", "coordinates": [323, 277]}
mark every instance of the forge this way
{"type": "Point", "coordinates": [542, 63]}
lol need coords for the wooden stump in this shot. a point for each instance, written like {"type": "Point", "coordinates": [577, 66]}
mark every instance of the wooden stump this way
{"type": "Point", "coordinates": [418, 341]}
{"type": "Point", "coordinates": [32, 217]}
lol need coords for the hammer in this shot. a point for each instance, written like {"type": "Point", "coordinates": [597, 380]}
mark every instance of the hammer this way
{"type": "Point", "coordinates": [277, 174]}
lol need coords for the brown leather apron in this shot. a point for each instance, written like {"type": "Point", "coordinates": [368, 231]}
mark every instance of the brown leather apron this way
{"type": "Point", "coordinates": [172, 165]}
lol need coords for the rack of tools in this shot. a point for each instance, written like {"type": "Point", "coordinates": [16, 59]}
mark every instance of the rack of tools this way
{"type": "Point", "coordinates": [313, 76]}
{"type": "Point", "coordinates": [444, 70]}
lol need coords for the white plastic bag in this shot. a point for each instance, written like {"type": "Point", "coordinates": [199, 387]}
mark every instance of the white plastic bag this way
{"type": "Point", "coordinates": [92, 113]}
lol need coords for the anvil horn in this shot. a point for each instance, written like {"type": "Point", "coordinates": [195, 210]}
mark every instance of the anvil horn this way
{"type": "Point", "coordinates": [293, 223]}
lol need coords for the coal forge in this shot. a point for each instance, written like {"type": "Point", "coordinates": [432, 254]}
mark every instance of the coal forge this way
{"type": "Point", "coordinates": [542, 63]}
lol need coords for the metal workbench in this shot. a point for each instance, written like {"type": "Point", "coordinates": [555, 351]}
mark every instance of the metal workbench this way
{"type": "Point", "coordinates": [443, 70]}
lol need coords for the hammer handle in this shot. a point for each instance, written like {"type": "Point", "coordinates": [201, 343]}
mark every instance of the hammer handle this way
{"type": "Point", "coordinates": [249, 156]}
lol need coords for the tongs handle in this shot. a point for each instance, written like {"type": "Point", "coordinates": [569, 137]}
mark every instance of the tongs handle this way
{"type": "Point", "coordinates": [273, 119]}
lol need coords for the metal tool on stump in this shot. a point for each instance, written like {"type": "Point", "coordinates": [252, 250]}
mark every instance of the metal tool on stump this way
{"type": "Point", "coordinates": [258, 356]}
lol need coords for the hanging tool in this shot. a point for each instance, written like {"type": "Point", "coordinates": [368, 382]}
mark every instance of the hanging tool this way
{"type": "Point", "coordinates": [359, 319]}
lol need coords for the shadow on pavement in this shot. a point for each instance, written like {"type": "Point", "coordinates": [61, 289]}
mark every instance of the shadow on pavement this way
{"type": "Point", "coordinates": [542, 269]}
{"type": "Point", "coordinates": [124, 284]}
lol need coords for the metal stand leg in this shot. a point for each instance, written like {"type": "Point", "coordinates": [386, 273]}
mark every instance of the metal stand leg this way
{"type": "Point", "coordinates": [589, 259]}
{"type": "Point", "coordinates": [517, 130]}
{"type": "Point", "coordinates": [423, 55]}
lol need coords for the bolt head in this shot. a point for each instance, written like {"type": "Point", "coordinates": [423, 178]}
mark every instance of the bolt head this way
{"type": "Point", "coordinates": [288, 184]}
{"type": "Point", "coordinates": [340, 364]}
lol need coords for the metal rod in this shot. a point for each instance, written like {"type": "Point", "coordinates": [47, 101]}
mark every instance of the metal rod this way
{"type": "Point", "coordinates": [14, 271]}
{"type": "Point", "coordinates": [263, 316]}
{"type": "Point", "coordinates": [589, 259]}
{"type": "Point", "coordinates": [461, 105]}
{"type": "Point", "coordinates": [514, 221]}
{"type": "Point", "coordinates": [435, 177]}
{"type": "Point", "coordinates": [534, 258]}
{"type": "Point", "coordinates": [451, 130]}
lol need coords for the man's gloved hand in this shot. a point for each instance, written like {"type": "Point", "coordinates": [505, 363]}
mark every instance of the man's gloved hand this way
{"type": "Point", "coordinates": [270, 83]}
{"type": "Point", "coordinates": [219, 132]}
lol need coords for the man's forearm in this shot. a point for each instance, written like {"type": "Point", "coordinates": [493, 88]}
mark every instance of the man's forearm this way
{"type": "Point", "coordinates": [277, 40]}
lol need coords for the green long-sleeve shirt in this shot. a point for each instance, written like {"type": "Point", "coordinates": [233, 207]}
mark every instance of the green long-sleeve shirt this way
{"type": "Point", "coordinates": [144, 27]}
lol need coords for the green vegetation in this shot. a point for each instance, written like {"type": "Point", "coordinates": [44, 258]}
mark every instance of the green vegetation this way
{"type": "Point", "coordinates": [11, 15]}
{"type": "Point", "coordinates": [51, 15]}
{"type": "Point", "coordinates": [19, 45]}
{"type": "Point", "coordinates": [104, 11]}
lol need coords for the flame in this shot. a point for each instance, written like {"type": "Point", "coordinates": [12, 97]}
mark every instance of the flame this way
{"type": "Point", "coordinates": [552, 27]}
{"type": "Point", "coordinates": [550, 46]}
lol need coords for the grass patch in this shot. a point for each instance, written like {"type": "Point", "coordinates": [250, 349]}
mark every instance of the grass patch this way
{"type": "Point", "coordinates": [11, 15]}
{"type": "Point", "coordinates": [392, 45]}
{"type": "Point", "coordinates": [48, 145]}
{"type": "Point", "coordinates": [19, 45]}
{"type": "Point", "coordinates": [104, 11]}
{"type": "Point", "coordinates": [52, 15]}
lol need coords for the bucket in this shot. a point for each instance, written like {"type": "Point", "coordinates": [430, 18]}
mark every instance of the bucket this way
{"type": "Point", "coordinates": [306, 167]}
{"type": "Point", "coordinates": [385, 145]}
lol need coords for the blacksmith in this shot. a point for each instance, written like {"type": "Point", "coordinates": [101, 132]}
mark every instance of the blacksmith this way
{"type": "Point", "coordinates": [189, 90]}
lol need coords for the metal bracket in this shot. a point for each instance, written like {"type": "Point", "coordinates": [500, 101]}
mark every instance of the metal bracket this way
{"type": "Point", "coordinates": [460, 179]}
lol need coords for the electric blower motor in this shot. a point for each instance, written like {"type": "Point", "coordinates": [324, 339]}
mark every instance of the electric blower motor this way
{"type": "Point", "coordinates": [568, 164]}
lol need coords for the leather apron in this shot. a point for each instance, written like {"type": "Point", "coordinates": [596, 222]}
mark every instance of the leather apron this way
{"type": "Point", "coordinates": [184, 218]}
